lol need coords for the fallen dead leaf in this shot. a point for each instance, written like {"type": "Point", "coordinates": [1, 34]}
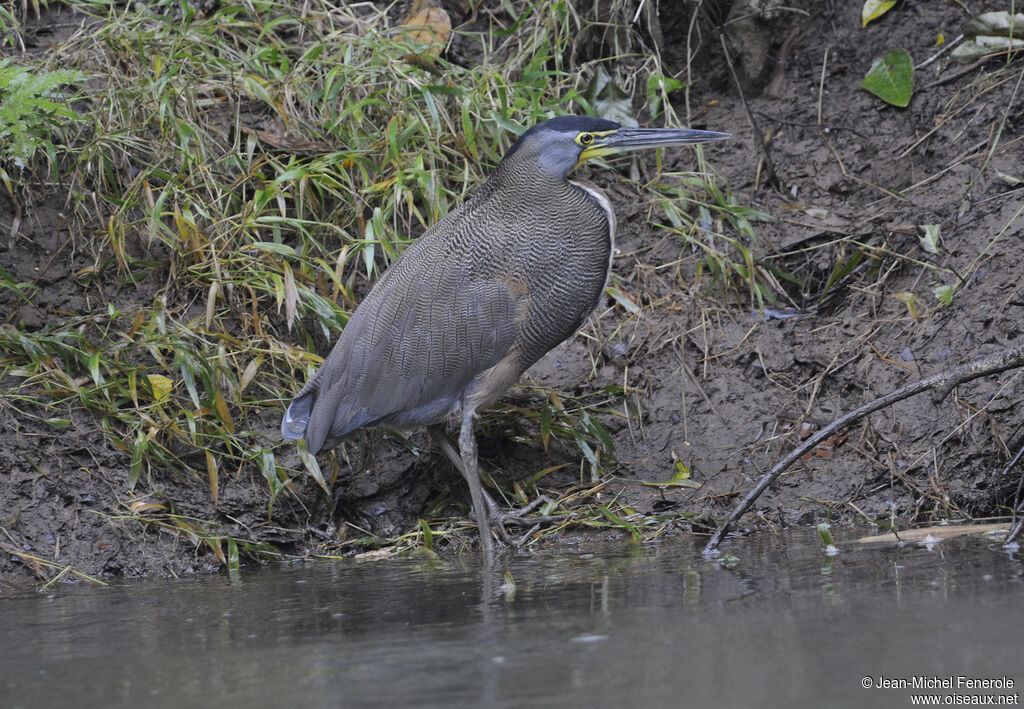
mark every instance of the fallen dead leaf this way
{"type": "Point", "coordinates": [382, 553]}
{"type": "Point", "coordinates": [426, 28]}
{"type": "Point", "coordinates": [295, 146]}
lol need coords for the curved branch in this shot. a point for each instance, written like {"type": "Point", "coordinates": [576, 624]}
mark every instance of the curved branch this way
{"type": "Point", "coordinates": [942, 383]}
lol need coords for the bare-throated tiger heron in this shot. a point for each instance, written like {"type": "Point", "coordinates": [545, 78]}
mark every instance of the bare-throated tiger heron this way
{"type": "Point", "coordinates": [478, 298]}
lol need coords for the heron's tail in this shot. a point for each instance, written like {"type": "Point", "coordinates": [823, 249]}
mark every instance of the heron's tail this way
{"type": "Point", "coordinates": [296, 418]}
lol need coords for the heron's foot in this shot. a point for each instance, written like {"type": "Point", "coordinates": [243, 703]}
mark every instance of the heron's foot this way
{"type": "Point", "coordinates": [502, 518]}
{"type": "Point", "coordinates": [519, 517]}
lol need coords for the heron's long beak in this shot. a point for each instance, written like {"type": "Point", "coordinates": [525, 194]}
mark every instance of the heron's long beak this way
{"type": "Point", "coordinates": [638, 138]}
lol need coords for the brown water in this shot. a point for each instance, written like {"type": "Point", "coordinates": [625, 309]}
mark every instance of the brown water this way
{"type": "Point", "coordinates": [655, 626]}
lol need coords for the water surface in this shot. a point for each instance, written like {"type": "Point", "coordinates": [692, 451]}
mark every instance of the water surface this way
{"type": "Point", "coordinates": [605, 626]}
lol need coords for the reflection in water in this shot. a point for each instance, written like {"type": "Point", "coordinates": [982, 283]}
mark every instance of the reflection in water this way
{"type": "Point", "coordinates": [618, 626]}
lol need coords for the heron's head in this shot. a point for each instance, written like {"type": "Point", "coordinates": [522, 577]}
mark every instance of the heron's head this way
{"type": "Point", "coordinates": [558, 145]}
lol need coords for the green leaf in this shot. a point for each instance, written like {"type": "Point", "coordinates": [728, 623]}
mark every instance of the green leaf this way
{"type": "Point", "coordinates": [595, 429]}
{"type": "Point", "coordinates": [873, 9]}
{"type": "Point", "coordinates": [588, 451]}
{"type": "Point", "coordinates": [622, 299]}
{"type": "Point", "coordinates": [891, 77]}
{"type": "Point", "coordinates": [428, 534]}
{"type": "Point", "coordinates": [826, 539]}
{"type": "Point", "coordinates": [680, 478]}
{"type": "Point", "coordinates": [268, 468]}
{"type": "Point", "coordinates": [996, 24]}
{"type": "Point", "coordinates": [659, 86]}
{"type": "Point", "coordinates": [312, 467]}
{"type": "Point", "coordinates": [545, 425]}
{"type": "Point", "coordinates": [840, 271]}
{"type": "Point", "coordinates": [616, 519]}
{"type": "Point", "coordinates": [943, 293]}
{"type": "Point", "coordinates": [930, 238]}
{"type": "Point", "coordinates": [232, 556]}
{"type": "Point", "coordinates": [138, 451]}
{"type": "Point", "coordinates": [94, 369]}
{"type": "Point", "coordinates": [188, 377]}
{"type": "Point", "coordinates": [983, 46]}
{"type": "Point", "coordinates": [467, 129]}
{"type": "Point", "coordinates": [608, 100]}
{"type": "Point", "coordinates": [825, 534]}
{"type": "Point", "coordinates": [1011, 180]}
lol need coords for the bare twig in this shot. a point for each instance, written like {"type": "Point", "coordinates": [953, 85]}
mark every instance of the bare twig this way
{"type": "Point", "coordinates": [772, 174]}
{"type": "Point", "coordinates": [806, 124]}
{"type": "Point", "coordinates": [1016, 522]}
{"type": "Point", "coordinates": [821, 81]}
{"type": "Point", "coordinates": [970, 69]}
{"type": "Point", "coordinates": [929, 60]}
{"type": "Point", "coordinates": [778, 81]}
{"type": "Point", "coordinates": [942, 383]}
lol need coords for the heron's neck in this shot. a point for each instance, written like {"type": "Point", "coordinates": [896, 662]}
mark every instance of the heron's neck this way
{"type": "Point", "coordinates": [524, 174]}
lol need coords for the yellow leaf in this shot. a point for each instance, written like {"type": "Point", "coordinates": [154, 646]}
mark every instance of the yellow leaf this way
{"type": "Point", "coordinates": [133, 391]}
{"type": "Point", "coordinates": [211, 470]}
{"type": "Point", "coordinates": [249, 373]}
{"type": "Point", "coordinates": [211, 303]}
{"type": "Point", "coordinates": [873, 9]}
{"type": "Point", "coordinates": [941, 39]}
{"type": "Point", "coordinates": [682, 472]}
{"type": "Point", "coordinates": [138, 507]}
{"type": "Point", "coordinates": [291, 296]}
{"type": "Point", "coordinates": [222, 411]}
{"type": "Point", "coordinates": [218, 553]}
{"type": "Point", "coordinates": [161, 387]}
{"type": "Point", "coordinates": [911, 301]}
{"type": "Point", "coordinates": [680, 477]}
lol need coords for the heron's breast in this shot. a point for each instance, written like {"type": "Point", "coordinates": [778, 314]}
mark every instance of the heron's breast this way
{"type": "Point", "coordinates": [601, 199]}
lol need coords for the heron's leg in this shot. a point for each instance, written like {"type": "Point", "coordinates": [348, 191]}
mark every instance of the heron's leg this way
{"type": "Point", "coordinates": [496, 513]}
{"type": "Point", "coordinates": [483, 507]}
{"type": "Point", "coordinates": [445, 444]}
{"type": "Point", "coordinates": [467, 450]}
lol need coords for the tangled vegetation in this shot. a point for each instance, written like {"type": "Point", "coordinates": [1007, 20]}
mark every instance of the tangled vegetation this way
{"type": "Point", "coordinates": [239, 177]}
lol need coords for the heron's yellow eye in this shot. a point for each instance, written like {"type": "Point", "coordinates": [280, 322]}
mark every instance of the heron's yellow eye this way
{"type": "Point", "coordinates": [585, 139]}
